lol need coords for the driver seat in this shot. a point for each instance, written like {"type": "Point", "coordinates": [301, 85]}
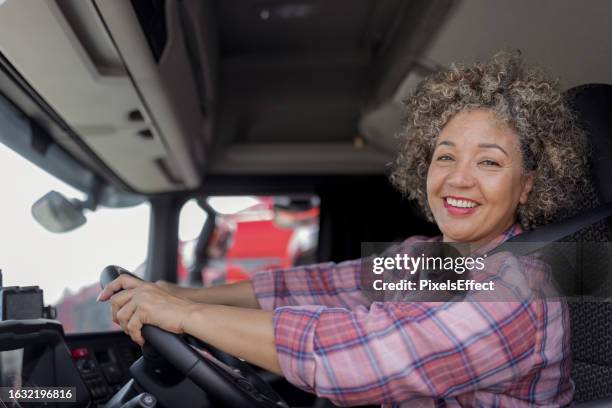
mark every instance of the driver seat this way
{"type": "Point", "coordinates": [591, 319]}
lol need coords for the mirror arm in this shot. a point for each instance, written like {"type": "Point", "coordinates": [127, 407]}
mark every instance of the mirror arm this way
{"type": "Point", "coordinates": [93, 196]}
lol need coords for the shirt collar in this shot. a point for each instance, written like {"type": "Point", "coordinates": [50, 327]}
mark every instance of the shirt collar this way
{"type": "Point", "coordinates": [512, 231]}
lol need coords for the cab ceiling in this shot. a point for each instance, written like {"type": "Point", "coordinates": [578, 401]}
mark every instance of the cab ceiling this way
{"type": "Point", "coordinates": [166, 91]}
{"type": "Point", "coordinates": [295, 77]}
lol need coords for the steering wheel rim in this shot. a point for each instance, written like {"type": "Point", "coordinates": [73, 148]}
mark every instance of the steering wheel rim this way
{"type": "Point", "coordinates": [228, 386]}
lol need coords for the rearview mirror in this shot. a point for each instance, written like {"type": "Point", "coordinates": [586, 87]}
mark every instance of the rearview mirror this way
{"type": "Point", "coordinates": [295, 211]}
{"type": "Point", "coordinates": [58, 214]}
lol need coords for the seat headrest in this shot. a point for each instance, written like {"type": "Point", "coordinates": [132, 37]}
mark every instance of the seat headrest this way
{"type": "Point", "coordinates": [592, 104]}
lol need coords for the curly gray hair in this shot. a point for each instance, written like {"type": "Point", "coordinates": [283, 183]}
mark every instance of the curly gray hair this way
{"type": "Point", "coordinates": [528, 102]}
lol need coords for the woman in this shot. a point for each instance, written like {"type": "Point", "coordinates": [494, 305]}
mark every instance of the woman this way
{"type": "Point", "coordinates": [490, 149]}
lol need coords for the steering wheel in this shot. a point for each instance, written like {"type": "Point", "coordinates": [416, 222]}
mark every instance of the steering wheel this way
{"type": "Point", "coordinates": [222, 380]}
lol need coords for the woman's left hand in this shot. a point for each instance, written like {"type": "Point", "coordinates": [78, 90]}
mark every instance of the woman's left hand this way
{"type": "Point", "coordinates": [149, 304]}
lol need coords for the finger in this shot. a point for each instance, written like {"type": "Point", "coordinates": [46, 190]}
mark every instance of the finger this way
{"type": "Point", "coordinates": [134, 329]}
{"type": "Point", "coordinates": [122, 282]}
{"type": "Point", "coordinates": [121, 298]}
{"type": "Point", "coordinates": [125, 314]}
{"type": "Point", "coordinates": [118, 300]}
{"type": "Point", "coordinates": [114, 310]}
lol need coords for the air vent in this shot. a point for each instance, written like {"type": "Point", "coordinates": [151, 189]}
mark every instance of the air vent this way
{"type": "Point", "coordinates": [135, 116]}
{"type": "Point", "coordinates": [152, 18]}
{"type": "Point", "coordinates": [145, 134]}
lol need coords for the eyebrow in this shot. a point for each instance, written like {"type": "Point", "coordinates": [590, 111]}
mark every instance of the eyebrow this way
{"type": "Point", "coordinates": [485, 145]}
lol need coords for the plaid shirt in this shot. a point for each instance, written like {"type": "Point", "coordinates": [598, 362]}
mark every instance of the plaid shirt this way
{"type": "Point", "coordinates": [333, 341]}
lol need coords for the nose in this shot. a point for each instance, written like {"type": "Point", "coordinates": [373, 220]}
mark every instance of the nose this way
{"type": "Point", "coordinates": [461, 176]}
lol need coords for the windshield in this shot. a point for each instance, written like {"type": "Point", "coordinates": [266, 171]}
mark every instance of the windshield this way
{"type": "Point", "coordinates": [65, 266]}
{"type": "Point", "coordinates": [248, 234]}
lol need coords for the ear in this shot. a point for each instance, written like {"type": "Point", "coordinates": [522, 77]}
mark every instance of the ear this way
{"type": "Point", "coordinates": [527, 186]}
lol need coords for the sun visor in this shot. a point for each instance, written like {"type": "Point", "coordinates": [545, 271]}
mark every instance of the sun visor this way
{"type": "Point", "coordinates": [140, 111]}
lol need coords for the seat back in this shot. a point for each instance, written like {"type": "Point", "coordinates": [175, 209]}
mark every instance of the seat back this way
{"type": "Point", "coordinates": [591, 321]}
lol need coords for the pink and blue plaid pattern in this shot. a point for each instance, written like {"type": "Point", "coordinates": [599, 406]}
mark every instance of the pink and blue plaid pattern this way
{"type": "Point", "coordinates": [331, 340]}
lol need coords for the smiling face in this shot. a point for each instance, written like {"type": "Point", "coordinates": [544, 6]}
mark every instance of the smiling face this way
{"type": "Point", "coordinates": [476, 180]}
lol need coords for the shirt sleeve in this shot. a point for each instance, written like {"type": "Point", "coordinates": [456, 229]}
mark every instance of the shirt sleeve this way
{"type": "Point", "coordinates": [326, 284]}
{"type": "Point", "coordinates": [396, 351]}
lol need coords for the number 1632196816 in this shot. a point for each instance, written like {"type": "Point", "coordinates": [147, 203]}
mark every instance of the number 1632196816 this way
{"type": "Point", "coordinates": [38, 394]}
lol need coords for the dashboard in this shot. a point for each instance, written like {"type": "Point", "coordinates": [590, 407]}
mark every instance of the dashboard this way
{"type": "Point", "coordinates": [106, 367]}
{"type": "Point", "coordinates": [103, 359]}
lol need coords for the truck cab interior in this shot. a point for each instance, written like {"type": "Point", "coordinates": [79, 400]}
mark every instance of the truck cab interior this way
{"type": "Point", "coordinates": [198, 141]}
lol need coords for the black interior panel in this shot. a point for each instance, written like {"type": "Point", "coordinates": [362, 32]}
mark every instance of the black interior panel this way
{"type": "Point", "coordinates": [103, 360]}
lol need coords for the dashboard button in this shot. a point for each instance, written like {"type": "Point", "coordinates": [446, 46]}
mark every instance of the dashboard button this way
{"type": "Point", "coordinates": [112, 374]}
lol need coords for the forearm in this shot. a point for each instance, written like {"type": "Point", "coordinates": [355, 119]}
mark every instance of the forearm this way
{"type": "Point", "coordinates": [239, 294]}
{"type": "Point", "coordinates": [326, 284]}
{"type": "Point", "coordinates": [245, 333]}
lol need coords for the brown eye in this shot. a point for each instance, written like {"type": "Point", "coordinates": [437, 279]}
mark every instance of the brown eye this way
{"type": "Point", "coordinates": [490, 163]}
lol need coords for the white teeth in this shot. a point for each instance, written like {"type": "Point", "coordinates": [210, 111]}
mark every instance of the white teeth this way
{"type": "Point", "coordinates": [460, 203]}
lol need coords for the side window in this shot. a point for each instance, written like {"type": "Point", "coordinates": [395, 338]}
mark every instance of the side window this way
{"type": "Point", "coordinates": [66, 266]}
{"type": "Point", "coordinates": [229, 239]}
